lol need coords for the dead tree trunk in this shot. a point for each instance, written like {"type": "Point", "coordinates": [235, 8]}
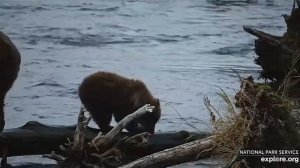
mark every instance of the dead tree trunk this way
{"type": "Point", "coordinates": [277, 54]}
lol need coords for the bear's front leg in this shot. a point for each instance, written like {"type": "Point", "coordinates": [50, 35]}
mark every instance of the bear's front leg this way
{"type": "Point", "coordinates": [103, 122]}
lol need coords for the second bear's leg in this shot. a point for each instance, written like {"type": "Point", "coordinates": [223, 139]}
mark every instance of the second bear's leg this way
{"type": "Point", "coordinates": [103, 121]}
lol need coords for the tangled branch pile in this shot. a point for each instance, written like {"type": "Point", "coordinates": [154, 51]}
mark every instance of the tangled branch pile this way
{"type": "Point", "coordinates": [104, 150]}
{"type": "Point", "coordinates": [260, 119]}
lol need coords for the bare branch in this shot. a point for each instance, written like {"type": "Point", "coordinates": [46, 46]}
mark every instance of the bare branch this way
{"type": "Point", "coordinates": [106, 139]}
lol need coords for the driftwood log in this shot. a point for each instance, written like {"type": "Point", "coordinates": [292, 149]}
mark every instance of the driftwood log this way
{"type": "Point", "coordinates": [187, 152]}
{"type": "Point", "coordinates": [277, 54]}
{"type": "Point", "coordinates": [35, 138]}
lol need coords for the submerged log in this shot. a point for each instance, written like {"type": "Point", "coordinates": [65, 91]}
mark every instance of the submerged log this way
{"type": "Point", "coordinates": [35, 138]}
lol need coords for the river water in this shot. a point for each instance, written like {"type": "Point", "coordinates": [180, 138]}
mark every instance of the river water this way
{"type": "Point", "coordinates": [182, 50]}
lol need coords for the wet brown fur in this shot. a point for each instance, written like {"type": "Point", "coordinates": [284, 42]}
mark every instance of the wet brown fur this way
{"type": "Point", "coordinates": [9, 67]}
{"type": "Point", "coordinates": [107, 94]}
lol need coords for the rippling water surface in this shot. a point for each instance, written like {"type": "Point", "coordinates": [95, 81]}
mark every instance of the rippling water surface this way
{"type": "Point", "coordinates": [182, 50]}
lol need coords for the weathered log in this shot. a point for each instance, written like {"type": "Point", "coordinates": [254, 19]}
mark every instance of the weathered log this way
{"type": "Point", "coordinates": [292, 21]}
{"type": "Point", "coordinates": [270, 39]}
{"type": "Point", "coordinates": [273, 56]}
{"type": "Point", "coordinates": [180, 154]}
{"type": "Point", "coordinates": [262, 35]}
{"type": "Point", "coordinates": [35, 138]}
{"type": "Point", "coordinates": [277, 54]}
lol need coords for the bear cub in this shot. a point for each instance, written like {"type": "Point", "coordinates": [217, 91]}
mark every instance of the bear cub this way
{"type": "Point", "coordinates": [106, 94]}
{"type": "Point", "coordinates": [9, 67]}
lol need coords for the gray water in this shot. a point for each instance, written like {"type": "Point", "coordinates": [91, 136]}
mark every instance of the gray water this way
{"type": "Point", "coordinates": [182, 49]}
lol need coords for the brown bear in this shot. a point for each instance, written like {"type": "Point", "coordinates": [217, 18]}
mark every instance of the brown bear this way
{"type": "Point", "coordinates": [106, 94]}
{"type": "Point", "coordinates": [9, 67]}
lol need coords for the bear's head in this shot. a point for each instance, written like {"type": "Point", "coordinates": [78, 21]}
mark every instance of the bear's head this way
{"type": "Point", "coordinates": [148, 120]}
